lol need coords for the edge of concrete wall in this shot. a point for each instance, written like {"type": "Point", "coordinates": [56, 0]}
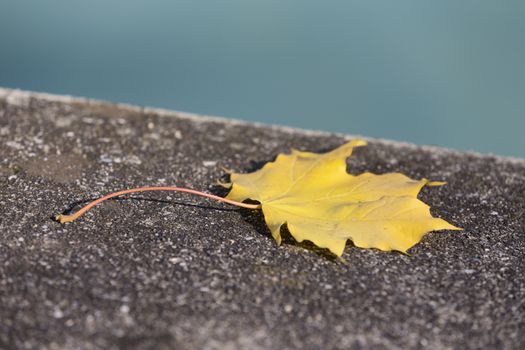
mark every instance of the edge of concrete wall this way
{"type": "Point", "coordinates": [22, 97]}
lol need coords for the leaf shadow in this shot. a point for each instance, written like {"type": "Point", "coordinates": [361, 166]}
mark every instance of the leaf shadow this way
{"type": "Point", "coordinates": [258, 164]}
{"type": "Point", "coordinates": [77, 204]}
{"type": "Point", "coordinates": [256, 219]}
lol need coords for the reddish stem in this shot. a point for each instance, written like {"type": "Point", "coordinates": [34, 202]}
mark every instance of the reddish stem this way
{"type": "Point", "coordinates": [68, 218]}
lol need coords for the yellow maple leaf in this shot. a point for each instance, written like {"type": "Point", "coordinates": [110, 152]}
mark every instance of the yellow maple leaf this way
{"type": "Point", "coordinates": [319, 201]}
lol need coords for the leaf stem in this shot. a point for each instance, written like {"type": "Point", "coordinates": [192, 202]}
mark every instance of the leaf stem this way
{"type": "Point", "coordinates": [68, 218]}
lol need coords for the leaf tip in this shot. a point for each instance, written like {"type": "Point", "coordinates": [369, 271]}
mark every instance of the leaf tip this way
{"type": "Point", "coordinates": [277, 237]}
{"type": "Point", "coordinates": [342, 260]}
{"type": "Point", "coordinates": [226, 170]}
{"type": "Point", "coordinates": [358, 143]}
{"type": "Point", "coordinates": [227, 185]}
{"type": "Point", "coordinates": [434, 183]}
{"type": "Point", "coordinates": [405, 252]}
{"type": "Point", "coordinates": [445, 225]}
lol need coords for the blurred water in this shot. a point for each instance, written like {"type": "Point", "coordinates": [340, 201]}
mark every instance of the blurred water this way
{"type": "Point", "coordinates": [448, 73]}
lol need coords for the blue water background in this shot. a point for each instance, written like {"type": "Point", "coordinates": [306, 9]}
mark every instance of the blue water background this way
{"type": "Point", "coordinates": [448, 73]}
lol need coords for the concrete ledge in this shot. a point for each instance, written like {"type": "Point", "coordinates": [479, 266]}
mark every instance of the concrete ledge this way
{"type": "Point", "coordinates": [167, 271]}
{"type": "Point", "coordinates": [17, 97]}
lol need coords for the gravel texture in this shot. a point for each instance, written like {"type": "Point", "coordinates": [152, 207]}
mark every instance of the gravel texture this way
{"type": "Point", "coordinates": [171, 271]}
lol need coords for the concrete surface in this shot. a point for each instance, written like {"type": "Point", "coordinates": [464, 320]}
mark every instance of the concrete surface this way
{"type": "Point", "coordinates": [169, 271]}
